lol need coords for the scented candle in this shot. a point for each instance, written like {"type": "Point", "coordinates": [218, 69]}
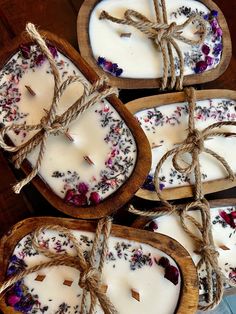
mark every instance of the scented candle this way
{"type": "Point", "coordinates": [223, 220]}
{"type": "Point", "coordinates": [133, 275]}
{"type": "Point", "coordinates": [166, 127]}
{"type": "Point", "coordinates": [97, 153]}
{"type": "Point", "coordinates": [134, 53]}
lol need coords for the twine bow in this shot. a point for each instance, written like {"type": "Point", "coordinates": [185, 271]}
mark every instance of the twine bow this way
{"type": "Point", "coordinates": [194, 145]}
{"type": "Point", "coordinates": [164, 35]}
{"type": "Point", "coordinates": [52, 123]}
{"type": "Point", "coordinates": [90, 277]}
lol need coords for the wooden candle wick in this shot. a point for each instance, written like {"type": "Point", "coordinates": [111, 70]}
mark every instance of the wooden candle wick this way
{"type": "Point", "coordinates": [30, 90]}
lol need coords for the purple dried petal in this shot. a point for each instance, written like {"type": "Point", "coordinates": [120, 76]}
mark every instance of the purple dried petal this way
{"type": "Point", "coordinates": [40, 59]}
{"type": "Point", "coordinates": [25, 51]}
{"type": "Point", "coordinates": [161, 186]}
{"type": "Point", "coordinates": [217, 49]}
{"type": "Point", "coordinates": [108, 66]}
{"type": "Point", "coordinates": [82, 188]}
{"type": "Point", "coordinates": [94, 198]}
{"type": "Point", "coordinates": [153, 226]}
{"type": "Point", "coordinates": [12, 300]}
{"type": "Point", "coordinates": [201, 66]}
{"type": "Point", "coordinates": [219, 32]}
{"type": "Point", "coordinates": [206, 17]}
{"type": "Point", "coordinates": [69, 195]}
{"type": "Point", "coordinates": [205, 49]}
{"type": "Point", "coordinates": [79, 200]}
{"type": "Point", "coordinates": [164, 262]}
{"type": "Point", "coordinates": [53, 50]}
{"type": "Point", "coordinates": [119, 71]}
{"type": "Point", "coordinates": [214, 13]}
{"type": "Point", "coordinates": [209, 60]}
{"type": "Point", "coordinates": [172, 274]}
{"type": "Point", "coordinates": [148, 184]}
{"type": "Point", "coordinates": [101, 61]}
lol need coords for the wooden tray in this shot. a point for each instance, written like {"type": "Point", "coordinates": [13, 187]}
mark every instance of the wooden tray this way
{"type": "Point", "coordinates": [129, 188]}
{"type": "Point", "coordinates": [189, 291]}
{"type": "Point", "coordinates": [130, 83]}
{"type": "Point", "coordinates": [166, 99]}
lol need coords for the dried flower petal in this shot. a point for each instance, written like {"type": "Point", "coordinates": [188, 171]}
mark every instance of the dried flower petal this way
{"type": "Point", "coordinates": [172, 274]}
{"type": "Point", "coordinates": [214, 13]}
{"type": "Point", "coordinates": [25, 51]}
{"type": "Point", "coordinates": [40, 59]}
{"type": "Point", "coordinates": [12, 300]}
{"type": "Point", "coordinates": [217, 49]}
{"type": "Point", "coordinates": [228, 219]}
{"type": "Point", "coordinates": [209, 60]}
{"type": "Point", "coordinates": [79, 200]}
{"type": "Point", "coordinates": [206, 49]}
{"type": "Point", "coordinates": [69, 195]}
{"type": "Point", "coordinates": [82, 188]}
{"type": "Point", "coordinates": [53, 50]}
{"type": "Point", "coordinates": [164, 262]}
{"type": "Point", "coordinates": [201, 66]}
{"type": "Point", "coordinates": [94, 198]}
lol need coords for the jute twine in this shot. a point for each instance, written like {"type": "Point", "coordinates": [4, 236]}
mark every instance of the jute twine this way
{"type": "Point", "coordinates": [90, 276]}
{"type": "Point", "coordinates": [164, 36]}
{"type": "Point", "coordinates": [52, 123]}
{"type": "Point", "coordinates": [194, 145]}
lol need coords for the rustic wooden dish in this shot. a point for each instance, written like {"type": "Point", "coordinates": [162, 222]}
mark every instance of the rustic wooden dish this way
{"type": "Point", "coordinates": [129, 188]}
{"type": "Point", "coordinates": [189, 291]}
{"type": "Point", "coordinates": [141, 222]}
{"type": "Point", "coordinates": [162, 100]}
{"type": "Point", "coordinates": [130, 83]}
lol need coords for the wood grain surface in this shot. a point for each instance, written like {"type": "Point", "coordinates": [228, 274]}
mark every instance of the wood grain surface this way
{"type": "Point", "coordinates": [188, 300]}
{"type": "Point", "coordinates": [60, 16]}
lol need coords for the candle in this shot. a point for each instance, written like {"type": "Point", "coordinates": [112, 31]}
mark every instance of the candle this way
{"type": "Point", "coordinates": [166, 127]}
{"type": "Point", "coordinates": [134, 277]}
{"type": "Point", "coordinates": [135, 54]}
{"type": "Point", "coordinates": [223, 221]}
{"type": "Point", "coordinates": [97, 153]}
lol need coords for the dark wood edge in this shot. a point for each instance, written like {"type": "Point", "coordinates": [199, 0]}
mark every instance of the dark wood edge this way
{"type": "Point", "coordinates": [167, 99]}
{"type": "Point", "coordinates": [126, 83]}
{"type": "Point", "coordinates": [189, 289]}
{"type": "Point", "coordinates": [143, 163]}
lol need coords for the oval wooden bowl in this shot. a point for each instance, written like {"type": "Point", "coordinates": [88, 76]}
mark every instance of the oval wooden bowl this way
{"type": "Point", "coordinates": [130, 83]}
{"type": "Point", "coordinates": [166, 99]}
{"type": "Point", "coordinates": [188, 300]}
{"type": "Point", "coordinates": [141, 222]}
{"type": "Point", "coordinates": [143, 163]}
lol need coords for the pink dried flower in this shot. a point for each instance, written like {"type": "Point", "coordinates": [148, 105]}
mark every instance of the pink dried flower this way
{"type": "Point", "coordinates": [12, 300]}
{"type": "Point", "coordinates": [53, 50]}
{"type": "Point", "coordinates": [228, 218]}
{"type": "Point", "coordinates": [80, 200]}
{"type": "Point", "coordinates": [172, 274]}
{"type": "Point", "coordinates": [82, 188]}
{"type": "Point", "coordinates": [164, 262]}
{"type": "Point", "coordinates": [69, 195]}
{"type": "Point", "coordinates": [94, 198]}
{"type": "Point", "coordinates": [40, 59]}
{"type": "Point", "coordinates": [25, 51]}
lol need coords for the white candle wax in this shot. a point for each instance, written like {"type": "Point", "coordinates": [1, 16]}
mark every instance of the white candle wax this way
{"type": "Point", "coordinates": [166, 126]}
{"type": "Point", "coordinates": [137, 55]}
{"type": "Point", "coordinates": [129, 265]}
{"type": "Point", "coordinates": [224, 236]}
{"type": "Point", "coordinates": [99, 133]}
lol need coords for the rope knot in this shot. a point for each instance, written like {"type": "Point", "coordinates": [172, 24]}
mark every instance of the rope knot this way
{"type": "Point", "coordinates": [195, 137]}
{"type": "Point", "coordinates": [207, 251]}
{"type": "Point", "coordinates": [165, 32]}
{"type": "Point", "coordinates": [89, 277]}
{"type": "Point", "coordinates": [54, 128]}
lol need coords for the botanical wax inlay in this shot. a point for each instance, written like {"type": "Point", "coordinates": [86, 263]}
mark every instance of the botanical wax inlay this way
{"type": "Point", "coordinates": [132, 278]}
{"type": "Point", "coordinates": [165, 127]}
{"type": "Point", "coordinates": [136, 54]}
{"type": "Point", "coordinates": [223, 220]}
{"type": "Point", "coordinates": [97, 149]}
